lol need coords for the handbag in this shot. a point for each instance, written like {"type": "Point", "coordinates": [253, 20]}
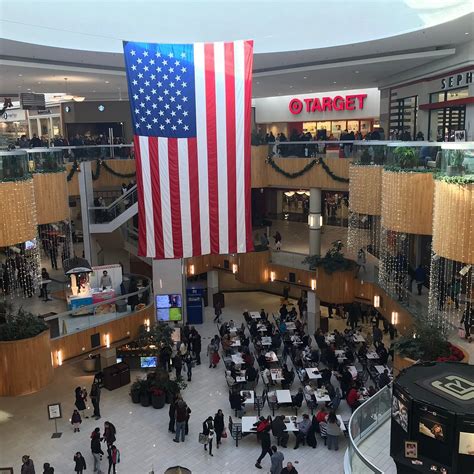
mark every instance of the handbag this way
{"type": "Point", "coordinates": [461, 333]}
{"type": "Point", "coordinates": [224, 434]}
{"type": "Point", "coordinates": [203, 439]}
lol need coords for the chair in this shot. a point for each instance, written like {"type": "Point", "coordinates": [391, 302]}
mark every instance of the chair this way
{"type": "Point", "coordinates": [235, 430]}
{"type": "Point", "coordinates": [311, 403]}
{"type": "Point", "coordinates": [259, 401]}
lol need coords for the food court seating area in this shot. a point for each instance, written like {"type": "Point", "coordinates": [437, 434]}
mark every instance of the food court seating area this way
{"type": "Point", "coordinates": [270, 360]}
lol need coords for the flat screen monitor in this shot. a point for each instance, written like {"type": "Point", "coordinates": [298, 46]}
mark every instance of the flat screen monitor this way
{"type": "Point", "coordinates": [433, 427]}
{"type": "Point", "coordinates": [169, 307]}
{"type": "Point", "coordinates": [30, 244]}
{"type": "Point", "coordinates": [95, 340]}
{"type": "Point", "coordinates": [169, 314]}
{"type": "Point", "coordinates": [119, 359]}
{"type": "Point", "coordinates": [149, 362]}
{"type": "Point", "coordinates": [466, 443]}
{"type": "Point", "coordinates": [400, 410]}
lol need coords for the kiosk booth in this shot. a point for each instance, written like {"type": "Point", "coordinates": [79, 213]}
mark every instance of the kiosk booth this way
{"type": "Point", "coordinates": [432, 428]}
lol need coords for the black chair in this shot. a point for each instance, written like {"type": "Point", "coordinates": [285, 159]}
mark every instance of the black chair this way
{"type": "Point", "coordinates": [235, 431]}
{"type": "Point", "coordinates": [259, 401]}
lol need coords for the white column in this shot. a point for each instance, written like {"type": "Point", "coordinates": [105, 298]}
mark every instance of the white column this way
{"type": "Point", "coordinates": [212, 285]}
{"type": "Point", "coordinates": [314, 221]}
{"type": "Point", "coordinates": [314, 313]}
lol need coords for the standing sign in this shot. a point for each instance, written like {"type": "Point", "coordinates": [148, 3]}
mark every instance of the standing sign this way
{"type": "Point", "coordinates": [194, 305]}
{"type": "Point", "coordinates": [54, 412]}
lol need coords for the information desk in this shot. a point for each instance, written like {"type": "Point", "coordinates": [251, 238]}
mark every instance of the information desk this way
{"type": "Point", "coordinates": [94, 296]}
{"type": "Point", "coordinates": [136, 357]}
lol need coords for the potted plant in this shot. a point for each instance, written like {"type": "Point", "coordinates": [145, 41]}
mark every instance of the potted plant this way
{"type": "Point", "coordinates": [365, 157]}
{"type": "Point", "coordinates": [158, 397]}
{"type": "Point", "coordinates": [172, 388]}
{"type": "Point", "coordinates": [135, 390]}
{"type": "Point", "coordinates": [333, 261]}
{"type": "Point", "coordinates": [456, 160]}
{"type": "Point", "coordinates": [406, 157]}
{"type": "Point", "coordinates": [20, 324]}
{"type": "Point", "coordinates": [144, 393]}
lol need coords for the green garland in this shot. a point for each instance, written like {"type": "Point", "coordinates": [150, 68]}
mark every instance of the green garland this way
{"type": "Point", "coordinates": [96, 173]}
{"type": "Point", "coordinates": [116, 173]}
{"type": "Point", "coordinates": [25, 177]}
{"type": "Point", "coordinates": [311, 164]}
{"type": "Point", "coordinates": [59, 169]}
{"type": "Point", "coordinates": [461, 180]}
{"type": "Point", "coordinates": [398, 169]}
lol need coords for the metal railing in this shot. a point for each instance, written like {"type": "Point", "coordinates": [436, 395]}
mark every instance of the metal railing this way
{"type": "Point", "coordinates": [92, 315]}
{"type": "Point", "coordinates": [104, 214]}
{"type": "Point", "coordinates": [364, 421]}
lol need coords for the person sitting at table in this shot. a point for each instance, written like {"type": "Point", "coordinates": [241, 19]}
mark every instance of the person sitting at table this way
{"type": "Point", "coordinates": [251, 374]}
{"type": "Point", "coordinates": [330, 356]}
{"type": "Point", "coordinates": [262, 361]}
{"type": "Point", "coordinates": [382, 353]}
{"type": "Point", "coordinates": [297, 399]}
{"type": "Point", "coordinates": [320, 339]}
{"type": "Point", "coordinates": [237, 402]}
{"type": "Point", "coordinates": [230, 379]}
{"type": "Point", "coordinates": [338, 339]}
{"type": "Point", "coordinates": [279, 431]}
{"type": "Point", "coordinates": [234, 372]}
{"type": "Point", "coordinates": [362, 352]}
{"type": "Point", "coordinates": [384, 379]}
{"type": "Point", "coordinates": [253, 329]}
{"type": "Point", "coordinates": [288, 377]}
{"type": "Point", "coordinates": [352, 397]}
{"type": "Point", "coordinates": [282, 327]}
{"type": "Point", "coordinates": [226, 343]}
{"type": "Point", "coordinates": [276, 341]}
{"type": "Point", "coordinates": [299, 326]}
{"type": "Point", "coordinates": [303, 427]}
{"type": "Point", "coordinates": [333, 431]}
{"type": "Point", "coordinates": [267, 377]}
{"type": "Point", "coordinates": [336, 398]}
{"type": "Point", "coordinates": [292, 314]}
{"type": "Point", "coordinates": [371, 391]}
{"type": "Point", "coordinates": [245, 341]}
{"type": "Point", "coordinates": [248, 358]}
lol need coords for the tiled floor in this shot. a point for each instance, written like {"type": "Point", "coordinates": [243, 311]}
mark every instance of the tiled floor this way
{"type": "Point", "coordinates": [142, 434]}
{"type": "Point", "coordinates": [376, 448]}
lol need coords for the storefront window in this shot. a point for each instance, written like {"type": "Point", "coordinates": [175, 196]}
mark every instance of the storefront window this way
{"type": "Point", "coordinates": [444, 122]}
{"type": "Point", "coordinates": [352, 125]}
{"type": "Point", "coordinates": [365, 127]}
{"type": "Point", "coordinates": [56, 126]}
{"type": "Point", "coordinates": [338, 127]}
{"type": "Point", "coordinates": [33, 126]}
{"type": "Point", "coordinates": [44, 124]}
{"type": "Point", "coordinates": [403, 116]}
{"type": "Point", "coordinates": [309, 127]}
{"type": "Point", "coordinates": [445, 96]}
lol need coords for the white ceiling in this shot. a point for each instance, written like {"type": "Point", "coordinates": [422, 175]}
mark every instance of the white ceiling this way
{"type": "Point", "coordinates": [99, 75]}
{"type": "Point", "coordinates": [274, 25]}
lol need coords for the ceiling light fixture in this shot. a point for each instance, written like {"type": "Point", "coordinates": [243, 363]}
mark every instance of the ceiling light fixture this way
{"type": "Point", "coordinates": [107, 82]}
{"type": "Point", "coordinates": [467, 33]}
{"type": "Point", "coordinates": [334, 82]}
{"type": "Point", "coordinates": [305, 77]}
{"type": "Point", "coordinates": [78, 98]}
{"type": "Point", "coordinates": [20, 75]}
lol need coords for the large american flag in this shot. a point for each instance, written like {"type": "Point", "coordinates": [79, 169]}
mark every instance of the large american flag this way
{"type": "Point", "coordinates": [191, 112]}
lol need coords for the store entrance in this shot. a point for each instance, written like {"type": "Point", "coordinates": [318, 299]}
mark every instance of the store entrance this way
{"type": "Point", "coordinates": [444, 122]}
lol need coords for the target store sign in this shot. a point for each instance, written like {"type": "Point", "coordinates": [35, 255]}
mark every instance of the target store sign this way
{"type": "Point", "coordinates": [323, 104]}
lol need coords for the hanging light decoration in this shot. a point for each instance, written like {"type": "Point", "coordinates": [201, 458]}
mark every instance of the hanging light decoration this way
{"type": "Point", "coordinates": [289, 193]}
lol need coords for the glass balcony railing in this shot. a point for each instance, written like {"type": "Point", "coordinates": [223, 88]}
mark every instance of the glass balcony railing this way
{"type": "Point", "coordinates": [93, 315]}
{"type": "Point", "coordinates": [413, 155]}
{"type": "Point", "coordinates": [13, 165]}
{"type": "Point", "coordinates": [364, 421]}
{"type": "Point", "coordinates": [44, 160]}
{"type": "Point", "coordinates": [457, 159]}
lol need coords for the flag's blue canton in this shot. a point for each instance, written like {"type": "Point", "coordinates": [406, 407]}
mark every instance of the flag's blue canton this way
{"type": "Point", "coordinates": [161, 89]}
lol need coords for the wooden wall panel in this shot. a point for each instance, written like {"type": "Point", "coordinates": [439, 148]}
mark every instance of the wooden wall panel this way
{"type": "Point", "coordinates": [407, 204]}
{"type": "Point", "coordinates": [453, 222]}
{"type": "Point", "coordinates": [25, 365]}
{"type": "Point", "coordinates": [73, 185]}
{"type": "Point", "coordinates": [72, 344]}
{"type": "Point", "coordinates": [263, 175]}
{"type": "Point", "coordinates": [17, 212]}
{"type": "Point", "coordinates": [365, 189]}
{"type": "Point", "coordinates": [108, 180]}
{"type": "Point", "coordinates": [253, 267]}
{"type": "Point", "coordinates": [51, 196]}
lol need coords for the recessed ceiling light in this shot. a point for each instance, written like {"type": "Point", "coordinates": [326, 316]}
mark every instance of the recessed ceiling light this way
{"type": "Point", "coordinates": [291, 87]}
{"type": "Point", "coordinates": [257, 82]}
{"type": "Point", "coordinates": [39, 82]}
{"type": "Point", "coordinates": [107, 82]}
{"type": "Point", "coordinates": [93, 91]}
{"type": "Point", "coordinates": [357, 72]}
{"type": "Point", "coordinates": [28, 89]}
{"type": "Point", "coordinates": [334, 82]}
{"type": "Point", "coordinates": [305, 77]}
{"type": "Point", "coordinates": [467, 33]}
{"type": "Point", "coordinates": [19, 75]}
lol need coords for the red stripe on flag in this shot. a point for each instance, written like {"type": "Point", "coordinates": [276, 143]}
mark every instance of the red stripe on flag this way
{"type": "Point", "coordinates": [175, 199]}
{"type": "Point", "coordinates": [141, 201]}
{"type": "Point", "coordinates": [194, 196]}
{"type": "Point", "coordinates": [248, 58]}
{"type": "Point", "coordinates": [209, 75]}
{"type": "Point", "coordinates": [230, 140]}
{"type": "Point", "coordinates": [156, 193]}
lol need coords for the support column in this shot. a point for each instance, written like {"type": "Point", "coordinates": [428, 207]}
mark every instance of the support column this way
{"type": "Point", "coordinates": [212, 286]}
{"type": "Point", "coordinates": [279, 202]}
{"type": "Point", "coordinates": [86, 192]}
{"type": "Point", "coordinates": [314, 221]}
{"type": "Point", "coordinates": [314, 313]}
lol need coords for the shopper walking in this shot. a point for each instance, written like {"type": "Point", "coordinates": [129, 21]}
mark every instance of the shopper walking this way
{"type": "Point", "coordinates": [188, 359]}
{"type": "Point", "coordinates": [277, 461]}
{"type": "Point", "coordinates": [80, 401]}
{"type": "Point", "coordinates": [79, 463]}
{"type": "Point", "coordinates": [47, 468]}
{"type": "Point", "coordinates": [96, 450]}
{"type": "Point", "coordinates": [44, 285]}
{"type": "Point", "coordinates": [178, 365]}
{"type": "Point", "coordinates": [208, 430]}
{"type": "Point", "coordinates": [172, 415]}
{"type": "Point", "coordinates": [420, 277]}
{"type": "Point", "coordinates": [109, 435]}
{"type": "Point", "coordinates": [76, 421]}
{"type": "Point", "coordinates": [114, 457]}
{"type": "Point", "coordinates": [217, 312]}
{"type": "Point", "coordinates": [219, 426]}
{"type": "Point", "coordinates": [333, 431]}
{"type": "Point", "coordinates": [196, 345]}
{"type": "Point", "coordinates": [265, 442]}
{"type": "Point", "coordinates": [181, 417]}
{"type": "Point", "coordinates": [27, 466]}
{"type": "Point", "coordinates": [95, 398]}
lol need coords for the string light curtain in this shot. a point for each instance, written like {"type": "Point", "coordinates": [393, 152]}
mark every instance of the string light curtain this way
{"type": "Point", "coordinates": [452, 262]}
{"type": "Point", "coordinates": [56, 242]}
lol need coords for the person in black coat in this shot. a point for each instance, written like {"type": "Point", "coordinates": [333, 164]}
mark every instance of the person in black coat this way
{"type": "Point", "coordinates": [265, 441]}
{"type": "Point", "coordinates": [178, 365]}
{"type": "Point", "coordinates": [95, 398]}
{"type": "Point", "coordinates": [219, 426]}
{"type": "Point", "coordinates": [279, 431]}
{"type": "Point", "coordinates": [133, 287]}
{"type": "Point", "coordinates": [208, 430]}
{"type": "Point", "coordinates": [80, 463]}
{"type": "Point", "coordinates": [196, 345]}
{"type": "Point", "coordinates": [97, 452]}
{"type": "Point", "coordinates": [172, 414]}
{"type": "Point", "coordinates": [80, 403]}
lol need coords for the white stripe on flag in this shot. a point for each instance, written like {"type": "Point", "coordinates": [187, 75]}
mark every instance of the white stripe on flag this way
{"type": "Point", "coordinates": [201, 134]}
{"type": "Point", "coordinates": [221, 125]}
{"type": "Point", "coordinates": [185, 197]}
{"type": "Point", "coordinates": [147, 197]}
{"type": "Point", "coordinates": [239, 65]}
{"type": "Point", "coordinates": [165, 197]}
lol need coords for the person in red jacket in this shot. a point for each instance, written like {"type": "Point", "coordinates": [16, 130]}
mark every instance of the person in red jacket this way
{"type": "Point", "coordinates": [353, 398]}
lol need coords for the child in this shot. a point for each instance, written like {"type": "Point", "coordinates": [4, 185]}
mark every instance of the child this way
{"type": "Point", "coordinates": [114, 457]}
{"type": "Point", "coordinates": [76, 420]}
{"type": "Point", "coordinates": [80, 463]}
